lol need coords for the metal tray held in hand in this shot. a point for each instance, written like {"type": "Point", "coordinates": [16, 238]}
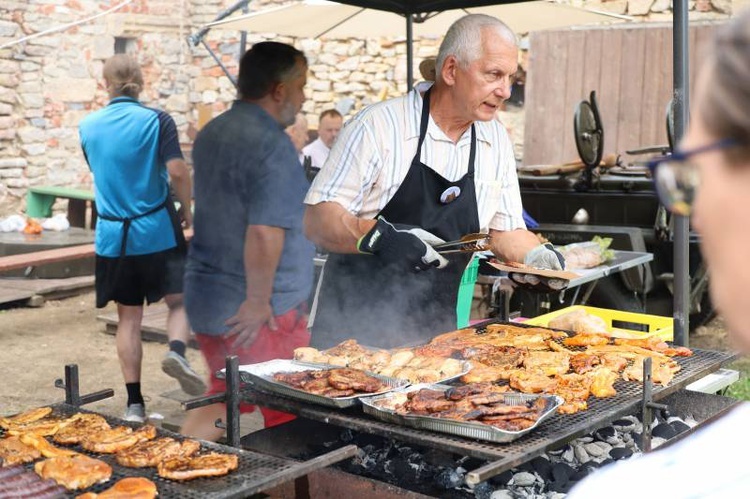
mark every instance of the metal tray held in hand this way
{"type": "Point", "coordinates": [261, 376]}
{"type": "Point", "coordinates": [468, 429]}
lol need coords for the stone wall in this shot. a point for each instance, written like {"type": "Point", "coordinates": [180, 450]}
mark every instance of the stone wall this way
{"type": "Point", "coordinates": [48, 83]}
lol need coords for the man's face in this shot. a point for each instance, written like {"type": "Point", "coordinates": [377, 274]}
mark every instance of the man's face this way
{"type": "Point", "coordinates": [329, 128]}
{"type": "Point", "coordinates": [482, 87]}
{"type": "Point", "coordinates": [294, 95]}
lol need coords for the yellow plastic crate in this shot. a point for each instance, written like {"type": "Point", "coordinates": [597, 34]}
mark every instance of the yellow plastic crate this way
{"type": "Point", "coordinates": [663, 327]}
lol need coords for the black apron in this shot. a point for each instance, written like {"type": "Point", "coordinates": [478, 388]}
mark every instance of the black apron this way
{"type": "Point", "coordinates": [381, 305]}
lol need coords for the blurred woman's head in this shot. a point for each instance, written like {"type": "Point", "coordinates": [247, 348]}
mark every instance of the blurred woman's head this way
{"type": "Point", "coordinates": [721, 212]}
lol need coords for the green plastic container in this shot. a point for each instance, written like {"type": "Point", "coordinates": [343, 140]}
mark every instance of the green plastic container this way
{"type": "Point", "coordinates": [466, 293]}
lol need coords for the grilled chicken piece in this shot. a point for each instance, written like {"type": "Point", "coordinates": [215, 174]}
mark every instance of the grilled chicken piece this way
{"type": "Point", "coordinates": [43, 427]}
{"type": "Point", "coordinates": [79, 426]}
{"type": "Point", "coordinates": [678, 352]}
{"type": "Point", "coordinates": [515, 424]}
{"type": "Point", "coordinates": [25, 417]}
{"type": "Point", "coordinates": [14, 451]}
{"type": "Point", "coordinates": [47, 449]}
{"type": "Point", "coordinates": [613, 361]}
{"type": "Point", "coordinates": [316, 386]}
{"type": "Point", "coordinates": [582, 363]}
{"type": "Point", "coordinates": [152, 452]}
{"type": "Point", "coordinates": [74, 472]}
{"type": "Point", "coordinates": [463, 391]}
{"type": "Point", "coordinates": [586, 339]}
{"type": "Point", "coordinates": [649, 343]}
{"type": "Point", "coordinates": [188, 468]}
{"type": "Point", "coordinates": [549, 363]}
{"type": "Point", "coordinates": [532, 382]}
{"type": "Point", "coordinates": [661, 372]}
{"type": "Point", "coordinates": [352, 379]}
{"type": "Point", "coordinates": [574, 388]}
{"type": "Point", "coordinates": [127, 488]}
{"type": "Point", "coordinates": [297, 379]}
{"type": "Point", "coordinates": [310, 354]}
{"type": "Point", "coordinates": [602, 382]}
{"type": "Point", "coordinates": [117, 439]}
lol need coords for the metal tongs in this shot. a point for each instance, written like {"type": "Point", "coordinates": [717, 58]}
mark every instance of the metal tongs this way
{"type": "Point", "coordinates": [470, 243]}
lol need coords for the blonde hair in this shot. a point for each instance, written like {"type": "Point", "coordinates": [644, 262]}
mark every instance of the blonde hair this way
{"type": "Point", "coordinates": [725, 107]}
{"type": "Point", "coordinates": [123, 75]}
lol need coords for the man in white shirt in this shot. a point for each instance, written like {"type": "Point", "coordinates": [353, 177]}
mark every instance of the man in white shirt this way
{"type": "Point", "coordinates": [329, 126]}
{"type": "Point", "coordinates": [377, 195]}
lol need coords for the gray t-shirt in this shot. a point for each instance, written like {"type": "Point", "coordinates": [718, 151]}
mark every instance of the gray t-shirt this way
{"type": "Point", "coordinates": [246, 173]}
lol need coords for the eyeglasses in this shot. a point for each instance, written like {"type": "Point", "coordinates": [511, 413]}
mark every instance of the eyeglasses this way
{"type": "Point", "coordinates": [677, 178]}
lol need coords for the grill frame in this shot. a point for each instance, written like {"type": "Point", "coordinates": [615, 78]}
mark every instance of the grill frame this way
{"type": "Point", "coordinates": [553, 433]}
{"type": "Point", "coordinates": [256, 472]}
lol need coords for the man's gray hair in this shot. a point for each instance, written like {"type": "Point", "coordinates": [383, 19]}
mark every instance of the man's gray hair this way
{"type": "Point", "coordinates": [464, 39]}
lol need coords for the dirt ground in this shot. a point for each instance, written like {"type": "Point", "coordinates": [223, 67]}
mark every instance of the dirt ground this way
{"type": "Point", "coordinates": [36, 344]}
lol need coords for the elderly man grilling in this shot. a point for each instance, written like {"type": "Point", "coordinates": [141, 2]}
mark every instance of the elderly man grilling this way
{"type": "Point", "coordinates": [411, 172]}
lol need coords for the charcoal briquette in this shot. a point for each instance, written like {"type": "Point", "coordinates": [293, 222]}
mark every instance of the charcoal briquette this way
{"type": "Point", "coordinates": [620, 453]}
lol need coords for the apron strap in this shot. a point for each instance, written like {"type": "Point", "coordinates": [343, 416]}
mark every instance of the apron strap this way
{"type": "Point", "coordinates": [126, 221]}
{"type": "Point", "coordinates": [423, 132]}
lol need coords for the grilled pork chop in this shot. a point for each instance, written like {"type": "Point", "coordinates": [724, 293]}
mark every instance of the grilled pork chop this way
{"type": "Point", "coordinates": [188, 468]}
{"type": "Point", "coordinates": [80, 425]}
{"type": "Point", "coordinates": [127, 488]}
{"type": "Point", "coordinates": [13, 451]}
{"type": "Point", "coordinates": [25, 417]}
{"type": "Point", "coordinates": [47, 449]}
{"type": "Point", "coordinates": [117, 439]}
{"type": "Point", "coordinates": [74, 472]}
{"type": "Point", "coordinates": [152, 452]}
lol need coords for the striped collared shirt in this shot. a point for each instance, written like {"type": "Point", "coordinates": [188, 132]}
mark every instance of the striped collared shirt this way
{"type": "Point", "coordinates": [373, 153]}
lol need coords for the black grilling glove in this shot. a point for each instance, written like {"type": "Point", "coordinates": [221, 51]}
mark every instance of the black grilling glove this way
{"type": "Point", "coordinates": [408, 247]}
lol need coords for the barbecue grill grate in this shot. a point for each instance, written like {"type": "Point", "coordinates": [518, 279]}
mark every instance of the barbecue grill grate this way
{"type": "Point", "coordinates": [255, 472]}
{"type": "Point", "coordinates": [552, 434]}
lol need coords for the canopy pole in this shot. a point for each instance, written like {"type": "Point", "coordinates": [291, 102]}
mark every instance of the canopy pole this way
{"type": "Point", "coordinates": [409, 52]}
{"type": "Point", "coordinates": [681, 237]}
{"type": "Point", "coordinates": [243, 35]}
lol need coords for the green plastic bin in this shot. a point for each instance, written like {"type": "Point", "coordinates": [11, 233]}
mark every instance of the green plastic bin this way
{"type": "Point", "coordinates": [466, 293]}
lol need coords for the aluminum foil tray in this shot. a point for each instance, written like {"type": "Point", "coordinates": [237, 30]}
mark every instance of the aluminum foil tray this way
{"type": "Point", "coordinates": [261, 376]}
{"type": "Point", "coordinates": [468, 429]}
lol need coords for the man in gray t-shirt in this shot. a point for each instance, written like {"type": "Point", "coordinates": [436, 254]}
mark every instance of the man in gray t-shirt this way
{"type": "Point", "coordinates": [250, 268]}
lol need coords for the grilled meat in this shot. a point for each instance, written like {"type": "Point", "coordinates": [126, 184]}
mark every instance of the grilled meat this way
{"type": "Point", "coordinates": [574, 388]}
{"type": "Point", "coordinates": [79, 426]}
{"type": "Point", "coordinates": [549, 363]}
{"type": "Point", "coordinates": [14, 451]}
{"type": "Point", "coordinates": [17, 482]}
{"type": "Point", "coordinates": [127, 488]}
{"type": "Point", "coordinates": [74, 472]}
{"type": "Point", "coordinates": [586, 339]}
{"type": "Point", "coordinates": [661, 372]}
{"type": "Point", "coordinates": [42, 445]}
{"type": "Point", "coordinates": [188, 468]}
{"type": "Point", "coordinates": [351, 379]}
{"type": "Point", "coordinates": [613, 361]}
{"type": "Point", "coordinates": [25, 417]}
{"type": "Point", "coordinates": [152, 452]}
{"type": "Point", "coordinates": [602, 382]}
{"type": "Point", "coordinates": [582, 363]}
{"type": "Point", "coordinates": [117, 439]}
{"type": "Point", "coordinates": [532, 382]}
{"type": "Point", "coordinates": [338, 382]}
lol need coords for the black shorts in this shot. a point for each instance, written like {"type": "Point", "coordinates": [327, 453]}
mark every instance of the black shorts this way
{"type": "Point", "coordinates": [132, 279]}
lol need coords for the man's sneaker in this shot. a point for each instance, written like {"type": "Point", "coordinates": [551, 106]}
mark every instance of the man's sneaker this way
{"type": "Point", "coordinates": [135, 413]}
{"type": "Point", "coordinates": [177, 366]}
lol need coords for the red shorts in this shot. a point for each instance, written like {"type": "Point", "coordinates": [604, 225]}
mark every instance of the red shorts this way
{"type": "Point", "coordinates": [291, 333]}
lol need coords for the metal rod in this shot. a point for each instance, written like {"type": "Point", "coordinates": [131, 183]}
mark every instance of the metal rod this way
{"type": "Point", "coordinates": [243, 35]}
{"type": "Point", "coordinates": [485, 472]}
{"type": "Point", "coordinates": [233, 400]}
{"type": "Point", "coordinates": [198, 37]}
{"type": "Point", "coordinates": [646, 408]}
{"type": "Point", "coordinates": [681, 224]}
{"type": "Point", "coordinates": [409, 52]}
{"type": "Point", "coordinates": [72, 390]}
{"type": "Point", "coordinates": [96, 396]}
{"type": "Point", "coordinates": [216, 398]}
{"type": "Point", "coordinates": [221, 64]}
